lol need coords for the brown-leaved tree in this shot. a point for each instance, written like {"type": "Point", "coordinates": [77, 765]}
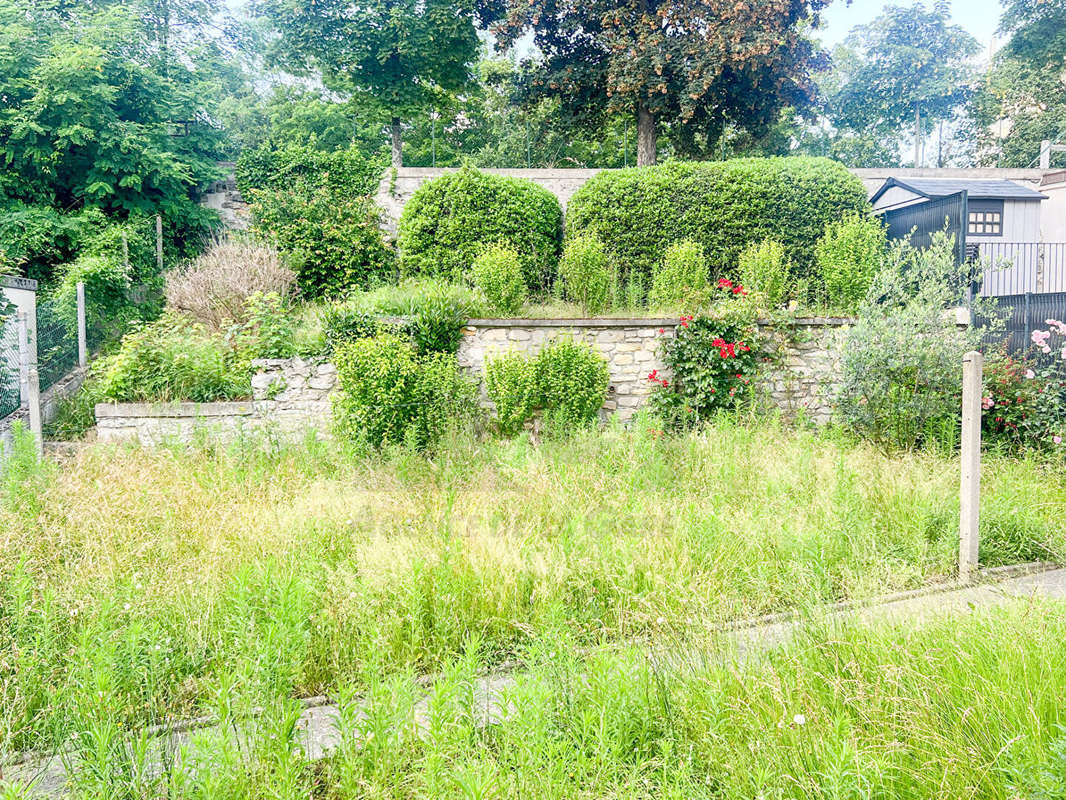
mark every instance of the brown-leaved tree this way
{"type": "Point", "coordinates": [695, 66]}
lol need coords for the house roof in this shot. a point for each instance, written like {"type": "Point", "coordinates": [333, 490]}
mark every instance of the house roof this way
{"type": "Point", "coordinates": [976, 188]}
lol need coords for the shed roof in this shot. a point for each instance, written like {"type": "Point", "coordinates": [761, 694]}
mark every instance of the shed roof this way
{"type": "Point", "coordinates": [986, 188]}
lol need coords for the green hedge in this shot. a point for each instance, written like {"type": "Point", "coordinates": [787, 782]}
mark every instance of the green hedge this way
{"type": "Point", "coordinates": [450, 219]}
{"type": "Point", "coordinates": [724, 206]}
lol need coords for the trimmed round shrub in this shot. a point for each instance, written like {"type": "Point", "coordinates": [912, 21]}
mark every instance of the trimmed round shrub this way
{"type": "Point", "coordinates": [680, 279]}
{"type": "Point", "coordinates": [585, 274]}
{"type": "Point", "coordinates": [765, 270]}
{"type": "Point", "coordinates": [849, 255]}
{"type": "Point", "coordinates": [449, 219]}
{"type": "Point", "coordinates": [724, 206]}
{"type": "Point", "coordinates": [498, 273]}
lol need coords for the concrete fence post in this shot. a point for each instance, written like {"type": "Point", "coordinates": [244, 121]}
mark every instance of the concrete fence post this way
{"type": "Point", "coordinates": [30, 381]}
{"type": "Point", "coordinates": [970, 479]}
{"type": "Point", "coordinates": [159, 241]}
{"type": "Point", "coordinates": [83, 344]}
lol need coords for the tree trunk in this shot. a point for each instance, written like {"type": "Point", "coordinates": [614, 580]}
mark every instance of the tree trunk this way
{"type": "Point", "coordinates": [917, 134]}
{"type": "Point", "coordinates": [647, 136]}
{"type": "Point", "coordinates": [397, 142]}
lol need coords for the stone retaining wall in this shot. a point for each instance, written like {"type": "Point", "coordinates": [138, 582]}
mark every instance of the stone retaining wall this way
{"type": "Point", "coordinates": [291, 397]}
{"type": "Point", "coordinates": [804, 379]}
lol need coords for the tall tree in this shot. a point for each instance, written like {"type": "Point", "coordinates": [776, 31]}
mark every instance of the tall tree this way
{"type": "Point", "coordinates": [910, 66]}
{"type": "Point", "coordinates": [1022, 99]}
{"type": "Point", "coordinates": [694, 68]}
{"type": "Point", "coordinates": [394, 56]}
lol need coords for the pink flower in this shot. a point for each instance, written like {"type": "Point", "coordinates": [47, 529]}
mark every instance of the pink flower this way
{"type": "Point", "coordinates": [987, 403]}
{"type": "Point", "coordinates": [1056, 439]}
{"type": "Point", "coordinates": [1029, 374]}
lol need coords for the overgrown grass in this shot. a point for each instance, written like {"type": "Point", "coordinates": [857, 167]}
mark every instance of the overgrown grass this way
{"type": "Point", "coordinates": [141, 581]}
{"type": "Point", "coordinates": [968, 707]}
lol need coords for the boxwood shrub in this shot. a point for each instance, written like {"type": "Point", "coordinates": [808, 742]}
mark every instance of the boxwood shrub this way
{"type": "Point", "coordinates": [448, 221]}
{"type": "Point", "coordinates": [724, 206]}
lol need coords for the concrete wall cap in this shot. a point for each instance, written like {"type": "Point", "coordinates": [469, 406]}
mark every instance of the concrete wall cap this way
{"type": "Point", "coordinates": [168, 410]}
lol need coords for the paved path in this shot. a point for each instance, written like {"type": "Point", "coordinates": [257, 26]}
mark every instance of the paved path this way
{"type": "Point", "coordinates": [318, 729]}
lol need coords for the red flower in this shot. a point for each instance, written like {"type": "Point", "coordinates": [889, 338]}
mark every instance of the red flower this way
{"type": "Point", "coordinates": [725, 283]}
{"type": "Point", "coordinates": [738, 289]}
{"type": "Point", "coordinates": [662, 330]}
{"type": "Point", "coordinates": [665, 383]}
{"type": "Point", "coordinates": [653, 375]}
{"type": "Point", "coordinates": [743, 348]}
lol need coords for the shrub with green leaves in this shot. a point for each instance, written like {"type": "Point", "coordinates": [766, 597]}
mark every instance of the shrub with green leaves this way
{"type": "Point", "coordinates": [902, 362]}
{"type": "Point", "coordinates": [680, 280]}
{"type": "Point", "coordinates": [511, 384]}
{"type": "Point", "coordinates": [572, 382]}
{"type": "Point", "coordinates": [765, 270]}
{"type": "Point", "coordinates": [391, 395]}
{"type": "Point", "coordinates": [849, 255]}
{"type": "Point", "coordinates": [267, 330]}
{"type": "Point", "coordinates": [434, 310]}
{"type": "Point", "coordinates": [712, 362]}
{"type": "Point", "coordinates": [341, 323]}
{"type": "Point", "coordinates": [566, 380]}
{"type": "Point", "coordinates": [585, 273]}
{"type": "Point", "coordinates": [449, 219]}
{"type": "Point", "coordinates": [333, 243]}
{"type": "Point", "coordinates": [724, 206]}
{"type": "Point", "coordinates": [497, 272]}
{"type": "Point", "coordinates": [108, 309]}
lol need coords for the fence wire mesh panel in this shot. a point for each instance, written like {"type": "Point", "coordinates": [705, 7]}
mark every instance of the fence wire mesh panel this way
{"type": "Point", "coordinates": [57, 341]}
{"type": "Point", "coordinates": [917, 223]}
{"type": "Point", "coordinates": [1023, 314]}
{"type": "Point", "coordinates": [1014, 268]}
{"type": "Point", "coordinates": [9, 363]}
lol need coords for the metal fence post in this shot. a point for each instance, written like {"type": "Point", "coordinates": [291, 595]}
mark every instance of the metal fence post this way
{"type": "Point", "coordinates": [83, 347]}
{"type": "Point", "coordinates": [970, 479]}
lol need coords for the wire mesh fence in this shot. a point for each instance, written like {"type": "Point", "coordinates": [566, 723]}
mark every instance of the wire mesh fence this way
{"type": "Point", "coordinates": [57, 342]}
{"type": "Point", "coordinates": [10, 394]}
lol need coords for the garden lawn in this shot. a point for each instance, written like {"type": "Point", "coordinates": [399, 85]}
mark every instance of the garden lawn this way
{"type": "Point", "coordinates": [140, 584]}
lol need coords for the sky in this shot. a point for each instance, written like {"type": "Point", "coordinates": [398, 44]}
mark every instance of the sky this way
{"type": "Point", "coordinates": [979, 17]}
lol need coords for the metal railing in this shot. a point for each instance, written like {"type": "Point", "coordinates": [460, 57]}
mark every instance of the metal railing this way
{"type": "Point", "coordinates": [1017, 268]}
